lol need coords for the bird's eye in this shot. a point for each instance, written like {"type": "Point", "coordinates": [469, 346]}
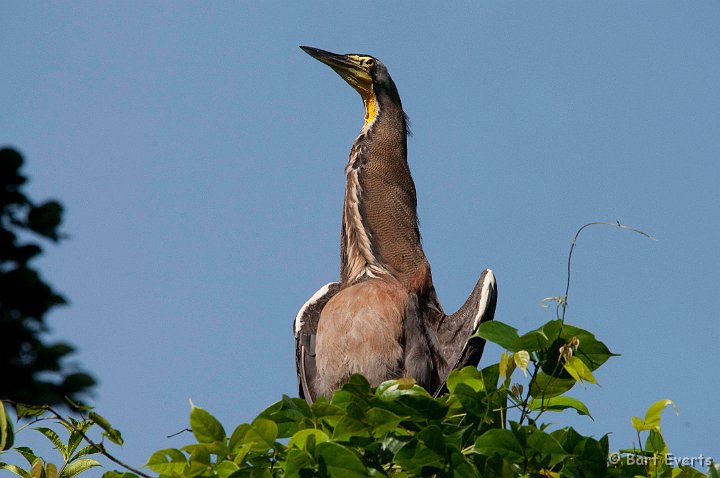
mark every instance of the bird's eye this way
{"type": "Point", "coordinates": [370, 62]}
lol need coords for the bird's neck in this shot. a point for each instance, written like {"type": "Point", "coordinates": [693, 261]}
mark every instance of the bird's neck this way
{"type": "Point", "coordinates": [380, 234]}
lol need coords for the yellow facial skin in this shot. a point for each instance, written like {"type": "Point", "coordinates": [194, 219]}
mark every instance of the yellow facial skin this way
{"type": "Point", "coordinates": [361, 79]}
{"type": "Point", "coordinates": [357, 71]}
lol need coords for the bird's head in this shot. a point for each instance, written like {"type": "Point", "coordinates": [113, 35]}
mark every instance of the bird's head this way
{"type": "Point", "coordinates": [366, 74]}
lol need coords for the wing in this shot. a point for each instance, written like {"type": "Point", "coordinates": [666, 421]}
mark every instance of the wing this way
{"type": "Point", "coordinates": [423, 359]}
{"type": "Point", "coordinates": [305, 328]}
{"type": "Point", "coordinates": [457, 345]}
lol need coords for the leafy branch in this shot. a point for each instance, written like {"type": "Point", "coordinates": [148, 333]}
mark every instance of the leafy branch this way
{"type": "Point", "coordinates": [563, 359]}
{"type": "Point", "coordinates": [74, 461]}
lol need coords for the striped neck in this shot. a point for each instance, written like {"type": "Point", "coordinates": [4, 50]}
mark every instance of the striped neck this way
{"type": "Point", "coordinates": [380, 235]}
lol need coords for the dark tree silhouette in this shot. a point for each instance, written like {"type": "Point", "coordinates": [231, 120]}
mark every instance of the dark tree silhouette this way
{"type": "Point", "coordinates": [31, 370]}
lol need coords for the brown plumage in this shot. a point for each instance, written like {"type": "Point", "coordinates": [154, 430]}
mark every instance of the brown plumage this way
{"type": "Point", "coordinates": [383, 318]}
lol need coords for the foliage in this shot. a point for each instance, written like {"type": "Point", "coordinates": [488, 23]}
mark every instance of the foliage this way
{"type": "Point", "coordinates": [398, 429]}
{"type": "Point", "coordinates": [32, 370]}
{"type": "Point", "coordinates": [74, 456]}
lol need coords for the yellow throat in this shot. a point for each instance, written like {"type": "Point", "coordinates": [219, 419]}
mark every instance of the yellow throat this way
{"type": "Point", "coordinates": [371, 109]}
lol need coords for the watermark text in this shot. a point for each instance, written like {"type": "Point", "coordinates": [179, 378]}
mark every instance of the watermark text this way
{"type": "Point", "coordinates": [699, 461]}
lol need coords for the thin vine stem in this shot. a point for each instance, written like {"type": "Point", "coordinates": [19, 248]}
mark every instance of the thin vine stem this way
{"type": "Point", "coordinates": [572, 249]}
{"type": "Point", "coordinates": [563, 301]}
{"type": "Point", "coordinates": [525, 412]}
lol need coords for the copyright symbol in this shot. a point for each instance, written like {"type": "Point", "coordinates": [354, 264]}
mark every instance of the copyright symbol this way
{"type": "Point", "coordinates": [614, 458]}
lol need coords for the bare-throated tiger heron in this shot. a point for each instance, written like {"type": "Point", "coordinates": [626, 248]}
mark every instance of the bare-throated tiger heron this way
{"type": "Point", "coordinates": [383, 318]}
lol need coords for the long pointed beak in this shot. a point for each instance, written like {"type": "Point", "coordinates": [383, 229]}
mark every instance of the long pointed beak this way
{"type": "Point", "coordinates": [333, 60]}
{"type": "Point", "coordinates": [345, 66]}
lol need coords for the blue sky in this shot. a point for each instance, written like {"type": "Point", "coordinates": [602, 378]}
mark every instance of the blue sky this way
{"type": "Point", "coordinates": [199, 153]}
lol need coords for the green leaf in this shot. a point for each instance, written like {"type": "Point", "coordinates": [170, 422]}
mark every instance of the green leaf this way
{"type": "Point", "coordinates": [590, 456]}
{"type": "Point", "coordinates": [298, 460]}
{"type": "Point", "coordinates": [545, 386]}
{"type": "Point", "coordinates": [111, 433]}
{"type": "Point", "coordinates": [470, 376]}
{"type": "Point", "coordinates": [226, 468]}
{"type": "Point", "coordinates": [656, 443]}
{"type": "Point", "coordinates": [84, 451]}
{"type": "Point", "coordinates": [327, 413]}
{"type": "Point", "coordinates": [37, 470]}
{"type": "Point", "coordinates": [499, 333]}
{"type": "Point", "coordinates": [215, 448]}
{"type": "Point", "coordinates": [198, 462]}
{"type": "Point", "coordinates": [457, 436]}
{"type": "Point", "coordinates": [200, 454]}
{"type": "Point", "coordinates": [261, 435]}
{"type": "Point", "coordinates": [593, 352]}
{"type": "Point", "coordinates": [167, 462]}
{"type": "Point", "coordinates": [416, 454]}
{"type": "Point", "coordinates": [23, 410]}
{"type": "Point", "coordinates": [240, 454]}
{"type": "Point", "coordinates": [74, 441]}
{"type": "Point", "coordinates": [413, 402]}
{"type": "Point", "coordinates": [473, 402]}
{"type": "Point", "coordinates": [555, 334]}
{"type": "Point", "coordinates": [14, 469]}
{"type": "Point", "coordinates": [490, 376]}
{"type": "Point", "coordinates": [340, 461]}
{"type": "Point", "coordinates": [349, 428]}
{"type": "Point", "coordinates": [357, 384]}
{"type": "Point", "coordinates": [27, 453]}
{"type": "Point", "coordinates": [432, 438]}
{"type": "Point", "coordinates": [688, 472]}
{"type": "Point", "coordinates": [501, 442]}
{"type": "Point", "coordinates": [461, 467]}
{"type": "Point", "coordinates": [287, 414]}
{"type": "Point", "coordinates": [55, 439]}
{"type": "Point", "coordinates": [503, 365]}
{"type": "Point", "coordinates": [78, 466]}
{"type": "Point", "coordinates": [547, 446]}
{"type": "Point", "coordinates": [533, 341]}
{"type": "Point", "coordinates": [557, 404]}
{"type": "Point", "coordinates": [579, 371]}
{"type": "Point", "coordinates": [299, 439]}
{"type": "Point", "coordinates": [383, 421]}
{"type": "Point", "coordinates": [118, 474]}
{"type": "Point", "coordinates": [78, 406]}
{"type": "Point", "coordinates": [344, 398]}
{"type": "Point", "coordinates": [652, 416]}
{"type": "Point", "coordinates": [205, 427]}
{"type": "Point", "coordinates": [551, 361]}
{"type": "Point", "coordinates": [7, 434]}
{"type": "Point", "coordinates": [238, 436]}
{"type": "Point", "coordinates": [325, 409]}
{"type": "Point", "coordinates": [553, 329]}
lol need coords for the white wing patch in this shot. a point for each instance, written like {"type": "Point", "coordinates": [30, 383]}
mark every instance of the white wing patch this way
{"type": "Point", "coordinates": [298, 323]}
{"type": "Point", "coordinates": [488, 285]}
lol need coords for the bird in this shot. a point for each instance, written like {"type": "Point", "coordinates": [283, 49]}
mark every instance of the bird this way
{"type": "Point", "coordinates": [383, 319]}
